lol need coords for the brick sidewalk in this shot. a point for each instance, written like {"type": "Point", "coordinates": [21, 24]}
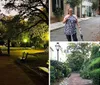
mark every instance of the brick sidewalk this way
{"type": "Point", "coordinates": [75, 79]}
{"type": "Point", "coordinates": [11, 74]}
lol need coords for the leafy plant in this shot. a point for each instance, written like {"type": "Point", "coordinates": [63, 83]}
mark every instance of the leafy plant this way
{"type": "Point", "coordinates": [58, 70]}
{"type": "Point", "coordinates": [58, 13]}
{"type": "Point", "coordinates": [52, 74]}
{"type": "Point", "coordinates": [94, 64]}
{"type": "Point", "coordinates": [73, 3]}
{"type": "Point", "coordinates": [95, 75]}
{"type": "Point", "coordinates": [91, 68]}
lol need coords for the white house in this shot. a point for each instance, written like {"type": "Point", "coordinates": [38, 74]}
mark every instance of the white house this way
{"type": "Point", "coordinates": [87, 7]}
{"type": "Point", "coordinates": [53, 52]}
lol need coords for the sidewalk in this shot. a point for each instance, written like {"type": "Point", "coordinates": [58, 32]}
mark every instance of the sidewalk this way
{"type": "Point", "coordinates": [75, 79]}
{"type": "Point", "coordinates": [58, 25]}
{"type": "Point", "coordinates": [11, 74]}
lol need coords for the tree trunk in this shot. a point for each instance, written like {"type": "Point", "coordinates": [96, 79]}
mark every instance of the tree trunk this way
{"type": "Point", "coordinates": [0, 51]}
{"type": "Point", "coordinates": [8, 46]}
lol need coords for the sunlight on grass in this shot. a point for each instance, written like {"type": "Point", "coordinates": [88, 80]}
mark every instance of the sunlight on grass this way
{"type": "Point", "coordinates": [20, 52]}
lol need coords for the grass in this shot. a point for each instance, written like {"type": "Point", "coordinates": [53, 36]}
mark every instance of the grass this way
{"type": "Point", "coordinates": [38, 59]}
{"type": "Point", "coordinates": [16, 52]}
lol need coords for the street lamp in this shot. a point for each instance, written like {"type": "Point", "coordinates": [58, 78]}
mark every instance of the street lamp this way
{"type": "Point", "coordinates": [57, 48]}
{"type": "Point", "coordinates": [25, 41]}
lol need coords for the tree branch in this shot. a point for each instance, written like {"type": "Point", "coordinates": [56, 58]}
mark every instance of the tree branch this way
{"type": "Point", "coordinates": [29, 27]}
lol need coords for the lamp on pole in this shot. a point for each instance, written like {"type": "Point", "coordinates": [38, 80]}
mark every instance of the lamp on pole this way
{"type": "Point", "coordinates": [25, 41]}
{"type": "Point", "coordinates": [57, 48]}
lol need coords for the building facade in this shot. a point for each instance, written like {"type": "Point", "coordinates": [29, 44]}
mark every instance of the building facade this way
{"type": "Point", "coordinates": [87, 8]}
{"type": "Point", "coordinates": [54, 4]}
{"type": "Point", "coordinates": [53, 54]}
{"type": "Point", "coordinates": [83, 10]}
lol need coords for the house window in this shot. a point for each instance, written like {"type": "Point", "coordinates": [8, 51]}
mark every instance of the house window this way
{"type": "Point", "coordinates": [57, 4]}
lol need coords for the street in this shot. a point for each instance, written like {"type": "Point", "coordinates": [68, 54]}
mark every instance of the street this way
{"type": "Point", "coordinates": [90, 31]}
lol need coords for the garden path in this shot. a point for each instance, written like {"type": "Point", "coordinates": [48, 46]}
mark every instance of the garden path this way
{"type": "Point", "coordinates": [75, 79]}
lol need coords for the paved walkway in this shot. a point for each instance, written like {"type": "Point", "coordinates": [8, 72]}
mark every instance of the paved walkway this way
{"type": "Point", "coordinates": [11, 74]}
{"type": "Point", "coordinates": [75, 79]}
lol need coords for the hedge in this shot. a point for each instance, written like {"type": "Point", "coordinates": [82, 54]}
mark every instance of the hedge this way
{"type": "Point", "coordinates": [58, 70]}
{"type": "Point", "coordinates": [95, 75]}
{"type": "Point", "coordinates": [95, 63]}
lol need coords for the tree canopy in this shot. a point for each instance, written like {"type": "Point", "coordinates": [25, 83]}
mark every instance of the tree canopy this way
{"type": "Point", "coordinates": [73, 3]}
{"type": "Point", "coordinates": [78, 53]}
{"type": "Point", "coordinates": [30, 8]}
{"type": "Point", "coordinates": [95, 4]}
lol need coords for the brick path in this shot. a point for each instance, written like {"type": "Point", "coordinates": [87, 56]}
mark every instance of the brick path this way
{"type": "Point", "coordinates": [11, 74]}
{"type": "Point", "coordinates": [75, 79]}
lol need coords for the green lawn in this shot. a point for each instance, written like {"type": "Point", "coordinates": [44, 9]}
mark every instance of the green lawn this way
{"type": "Point", "coordinates": [38, 59]}
{"type": "Point", "coordinates": [18, 51]}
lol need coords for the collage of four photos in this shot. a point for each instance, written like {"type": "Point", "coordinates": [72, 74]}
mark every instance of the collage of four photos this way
{"type": "Point", "coordinates": [49, 42]}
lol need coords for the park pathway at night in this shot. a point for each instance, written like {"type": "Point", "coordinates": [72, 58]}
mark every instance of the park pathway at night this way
{"type": "Point", "coordinates": [11, 74]}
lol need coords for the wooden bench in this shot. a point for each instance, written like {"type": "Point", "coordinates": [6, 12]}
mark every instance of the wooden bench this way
{"type": "Point", "coordinates": [25, 55]}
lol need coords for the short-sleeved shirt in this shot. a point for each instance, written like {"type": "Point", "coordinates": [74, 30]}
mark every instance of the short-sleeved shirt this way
{"type": "Point", "coordinates": [70, 25]}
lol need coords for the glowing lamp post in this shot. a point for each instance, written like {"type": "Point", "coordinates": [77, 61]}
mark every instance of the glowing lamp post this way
{"type": "Point", "coordinates": [25, 41]}
{"type": "Point", "coordinates": [57, 48]}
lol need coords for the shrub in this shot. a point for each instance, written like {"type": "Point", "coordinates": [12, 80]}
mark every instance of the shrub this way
{"type": "Point", "coordinates": [95, 52]}
{"type": "Point", "coordinates": [58, 12]}
{"type": "Point", "coordinates": [66, 70]}
{"type": "Point", "coordinates": [58, 70]}
{"type": "Point", "coordinates": [90, 66]}
{"type": "Point", "coordinates": [94, 67]}
{"type": "Point", "coordinates": [91, 69]}
{"type": "Point", "coordinates": [85, 73]}
{"type": "Point", "coordinates": [57, 65]}
{"type": "Point", "coordinates": [59, 74]}
{"type": "Point", "coordinates": [94, 64]}
{"type": "Point", "coordinates": [52, 74]}
{"type": "Point", "coordinates": [95, 75]}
